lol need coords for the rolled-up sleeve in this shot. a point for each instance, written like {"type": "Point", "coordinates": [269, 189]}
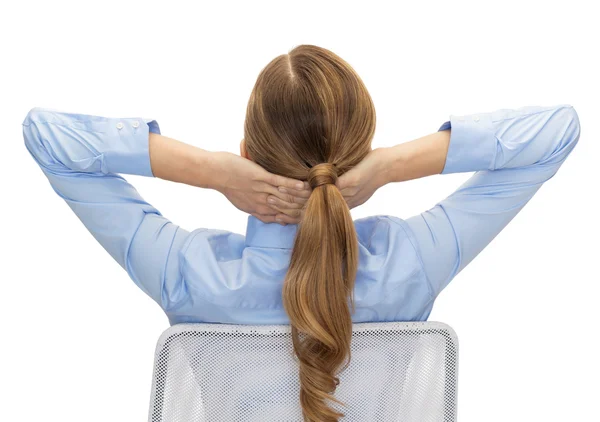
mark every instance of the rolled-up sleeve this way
{"type": "Point", "coordinates": [512, 152]}
{"type": "Point", "coordinates": [81, 155]}
{"type": "Point", "coordinates": [472, 144]}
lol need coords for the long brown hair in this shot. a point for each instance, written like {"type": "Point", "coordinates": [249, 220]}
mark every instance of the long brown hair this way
{"type": "Point", "coordinates": [310, 117]}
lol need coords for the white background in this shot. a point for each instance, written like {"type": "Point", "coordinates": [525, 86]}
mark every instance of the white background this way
{"type": "Point", "coordinates": [78, 336]}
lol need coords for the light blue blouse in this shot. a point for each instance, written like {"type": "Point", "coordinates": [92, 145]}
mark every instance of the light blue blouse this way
{"type": "Point", "coordinates": [210, 275]}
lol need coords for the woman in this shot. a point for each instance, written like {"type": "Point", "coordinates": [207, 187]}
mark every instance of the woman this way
{"type": "Point", "coordinates": [306, 159]}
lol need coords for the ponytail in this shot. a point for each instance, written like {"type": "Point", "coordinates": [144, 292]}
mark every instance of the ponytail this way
{"type": "Point", "coordinates": [310, 112]}
{"type": "Point", "coordinates": [318, 293]}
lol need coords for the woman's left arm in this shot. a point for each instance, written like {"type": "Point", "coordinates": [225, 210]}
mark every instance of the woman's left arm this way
{"type": "Point", "coordinates": [81, 155]}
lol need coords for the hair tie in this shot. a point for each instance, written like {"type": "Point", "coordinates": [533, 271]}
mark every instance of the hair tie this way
{"type": "Point", "coordinates": [322, 174]}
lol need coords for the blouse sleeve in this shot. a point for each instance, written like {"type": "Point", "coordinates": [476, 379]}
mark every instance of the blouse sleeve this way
{"type": "Point", "coordinates": [81, 155]}
{"type": "Point", "coordinates": [512, 152]}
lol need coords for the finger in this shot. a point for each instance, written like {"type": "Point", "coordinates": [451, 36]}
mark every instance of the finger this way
{"type": "Point", "coordinates": [264, 206]}
{"type": "Point", "coordinates": [287, 219]}
{"type": "Point", "coordinates": [286, 182]}
{"type": "Point", "coordinates": [304, 193]}
{"type": "Point", "coordinates": [291, 196]}
{"type": "Point", "coordinates": [265, 210]}
{"type": "Point", "coordinates": [273, 200]}
{"type": "Point", "coordinates": [269, 219]}
{"type": "Point", "coordinates": [348, 191]}
{"type": "Point", "coordinates": [347, 180]}
{"type": "Point", "coordinates": [352, 201]}
{"type": "Point", "coordinates": [349, 194]}
{"type": "Point", "coordinates": [294, 213]}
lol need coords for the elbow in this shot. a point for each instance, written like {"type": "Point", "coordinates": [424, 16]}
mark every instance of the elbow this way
{"type": "Point", "coordinates": [30, 131]}
{"type": "Point", "coordinates": [573, 127]}
{"type": "Point", "coordinates": [33, 137]}
{"type": "Point", "coordinates": [565, 124]}
{"type": "Point", "coordinates": [34, 115]}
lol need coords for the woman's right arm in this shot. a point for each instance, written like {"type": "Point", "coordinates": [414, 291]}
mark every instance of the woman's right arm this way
{"type": "Point", "coordinates": [512, 152]}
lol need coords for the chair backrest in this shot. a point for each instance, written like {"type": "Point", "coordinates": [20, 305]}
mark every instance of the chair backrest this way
{"type": "Point", "coordinates": [399, 371]}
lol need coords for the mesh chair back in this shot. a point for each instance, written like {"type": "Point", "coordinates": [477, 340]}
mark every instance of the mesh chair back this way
{"type": "Point", "coordinates": [400, 371]}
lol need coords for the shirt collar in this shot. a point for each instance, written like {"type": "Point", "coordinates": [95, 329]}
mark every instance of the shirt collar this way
{"type": "Point", "coordinates": [269, 235]}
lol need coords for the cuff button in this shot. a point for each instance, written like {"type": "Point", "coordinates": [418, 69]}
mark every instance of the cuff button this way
{"type": "Point", "coordinates": [119, 125]}
{"type": "Point", "coordinates": [135, 124]}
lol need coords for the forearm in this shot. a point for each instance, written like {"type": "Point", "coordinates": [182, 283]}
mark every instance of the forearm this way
{"type": "Point", "coordinates": [421, 157]}
{"type": "Point", "coordinates": [180, 162]}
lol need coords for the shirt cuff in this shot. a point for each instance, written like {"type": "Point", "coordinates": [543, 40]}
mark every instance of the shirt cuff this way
{"type": "Point", "coordinates": [130, 153]}
{"type": "Point", "coordinates": [472, 143]}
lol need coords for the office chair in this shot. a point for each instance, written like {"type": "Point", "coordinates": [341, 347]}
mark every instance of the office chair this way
{"type": "Point", "coordinates": [399, 372]}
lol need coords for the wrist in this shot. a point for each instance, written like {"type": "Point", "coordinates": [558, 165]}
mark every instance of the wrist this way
{"type": "Point", "coordinates": [391, 164]}
{"type": "Point", "coordinates": [205, 167]}
{"type": "Point", "coordinates": [180, 162]}
{"type": "Point", "coordinates": [421, 157]}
